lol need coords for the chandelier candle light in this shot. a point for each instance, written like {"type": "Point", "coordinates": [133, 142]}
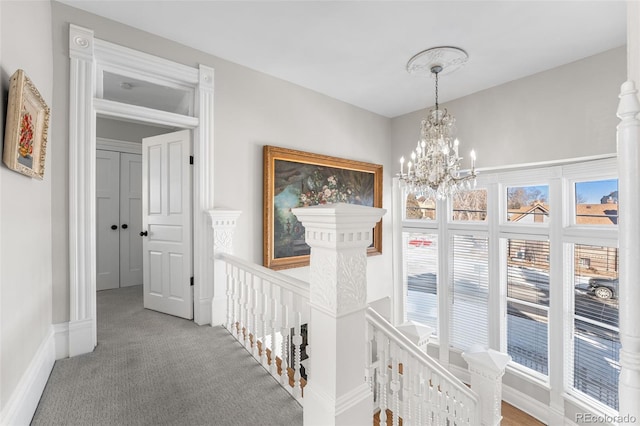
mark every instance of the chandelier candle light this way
{"type": "Point", "coordinates": [434, 169]}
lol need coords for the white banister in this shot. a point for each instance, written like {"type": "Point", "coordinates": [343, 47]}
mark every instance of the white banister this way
{"type": "Point", "coordinates": [412, 385]}
{"type": "Point", "coordinates": [487, 368]}
{"type": "Point", "coordinates": [267, 312]}
{"type": "Point", "coordinates": [338, 235]}
{"type": "Point", "coordinates": [629, 235]}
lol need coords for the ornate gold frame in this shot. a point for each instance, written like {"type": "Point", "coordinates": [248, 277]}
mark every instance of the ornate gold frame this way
{"type": "Point", "coordinates": [25, 139]}
{"type": "Point", "coordinates": [270, 155]}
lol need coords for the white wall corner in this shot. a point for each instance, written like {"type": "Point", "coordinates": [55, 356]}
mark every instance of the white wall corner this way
{"type": "Point", "coordinates": [23, 402]}
{"type": "Point", "coordinates": [61, 339]}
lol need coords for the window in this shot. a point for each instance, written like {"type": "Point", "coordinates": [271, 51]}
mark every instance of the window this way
{"type": "Point", "coordinates": [421, 275]}
{"type": "Point", "coordinates": [470, 205]}
{"type": "Point", "coordinates": [420, 207]}
{"type": "Point", "coordinates": [528, 303]}
{"type": "Point", "coordinates": [596, 202]}
{"type": "Point", "coordinates": [596, 342]}
{"type": "Point", "coordinates": [469, 291]}
{"type": "Point", "coordinates": [497, 241]}
{"type": "Point", "coordinates": [528, 204]}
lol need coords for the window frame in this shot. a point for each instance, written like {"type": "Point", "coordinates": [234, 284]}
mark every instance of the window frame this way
{"type": "Point", "coordinates": [560, 230]}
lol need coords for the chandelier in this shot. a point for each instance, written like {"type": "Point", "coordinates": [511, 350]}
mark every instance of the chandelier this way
{"type": "Point", "coordinates": [434, 168]}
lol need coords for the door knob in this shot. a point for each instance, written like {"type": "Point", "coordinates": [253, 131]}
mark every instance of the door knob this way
{"type": "Point", "coordinates": [114, 227]}
{"type": "Point", "coordinates": [124, 226]}
{"type": "Point", "coordinates": [144, 233]}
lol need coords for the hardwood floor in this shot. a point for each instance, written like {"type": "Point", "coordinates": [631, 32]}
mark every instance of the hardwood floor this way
{"type": "Point", "coordinates": [511, 416]}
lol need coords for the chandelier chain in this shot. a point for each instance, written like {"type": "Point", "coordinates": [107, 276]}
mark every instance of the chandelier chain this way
{"type": "Point", "coordinates": [437, 106]}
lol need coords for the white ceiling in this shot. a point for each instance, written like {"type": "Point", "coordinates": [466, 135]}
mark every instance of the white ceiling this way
{"type": "Point", "coordinates": [356, 51]}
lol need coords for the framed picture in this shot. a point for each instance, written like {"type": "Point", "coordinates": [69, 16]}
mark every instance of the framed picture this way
{"type": "Point", "coordinates": [25, 138]}
{"type": "Point", "coordinates": [298, 179]}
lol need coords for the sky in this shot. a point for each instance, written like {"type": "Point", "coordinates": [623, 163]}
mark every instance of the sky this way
{"type": "Point", "coordinates": [592, 191]}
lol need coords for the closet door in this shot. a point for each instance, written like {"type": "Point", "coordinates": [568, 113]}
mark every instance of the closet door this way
{"type": "Point", "coordinates": [107, 219]}
{"type": "Point", "coordinates": [130, 219]}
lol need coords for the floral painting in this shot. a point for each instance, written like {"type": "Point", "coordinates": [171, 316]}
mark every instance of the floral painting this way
{"type": "Point", "coordinates": [298, 179]}
{"type": "Point", "coordinates": [25, 137]}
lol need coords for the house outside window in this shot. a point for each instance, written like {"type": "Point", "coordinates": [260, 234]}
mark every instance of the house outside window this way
{"type": "Point", "coordinates": [546, 234]}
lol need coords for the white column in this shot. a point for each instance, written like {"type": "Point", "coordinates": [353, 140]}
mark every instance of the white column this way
{"type": "Point", "coordinates": [203, 198]}
{"type": "Point", "coordinates": [336, 391]}
{"type": "Point", "coordinates": [629, 241]}
{"type": "Point", "coordinates": [223, 224]}
{"type": "Point", "coordinates": [82, 193]}
{"type": "Point", "coordinates": [487, 368]}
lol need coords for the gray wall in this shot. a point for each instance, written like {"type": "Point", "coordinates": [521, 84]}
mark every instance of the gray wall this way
{"type": "Point", "coordinates": [566, 112]}
{"type": "Point", "coordinates": [251, 110]}
{"type": "Point", "coordinates": [25, 203]}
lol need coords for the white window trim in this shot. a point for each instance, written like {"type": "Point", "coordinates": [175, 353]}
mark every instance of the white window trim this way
{"type": "Point", "coordinates": [559, 231]}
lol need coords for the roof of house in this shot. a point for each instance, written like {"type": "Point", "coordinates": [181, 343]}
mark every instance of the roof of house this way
{"type": "Point", "coordinates": [517, 214]}
{"type": "Point", "coordinates": [597, 214]}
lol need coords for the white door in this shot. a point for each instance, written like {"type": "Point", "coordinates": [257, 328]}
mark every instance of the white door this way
{"type": "Point", "coordinates": [166, 217]}
{"type": "Point", "coordinates": [107, 219]}
{"type": "Point", "coordinates": [130, 219]}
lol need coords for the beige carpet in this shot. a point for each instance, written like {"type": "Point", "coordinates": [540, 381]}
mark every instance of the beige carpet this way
{"type": "Point", "coordinates": [155, 369]}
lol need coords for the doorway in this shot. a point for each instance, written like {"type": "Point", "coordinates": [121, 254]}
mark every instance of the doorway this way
{"type": "Point", "coordinates": [91, 60]}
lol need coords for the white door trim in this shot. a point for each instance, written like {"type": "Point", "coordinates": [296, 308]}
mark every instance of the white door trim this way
{"type": "Point", "coordinates": [86, 56]}
{"type": "Point", "coordinates": [119, 146]}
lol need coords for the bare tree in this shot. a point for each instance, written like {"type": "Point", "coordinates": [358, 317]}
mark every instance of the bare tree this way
{"type": "Point", "coordinates": [470, 205]}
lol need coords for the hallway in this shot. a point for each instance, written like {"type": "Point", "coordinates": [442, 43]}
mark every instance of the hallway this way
{"type": "Point", "coordinates": [154, 369]}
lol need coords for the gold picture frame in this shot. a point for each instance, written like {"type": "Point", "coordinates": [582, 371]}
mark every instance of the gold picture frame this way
{"type": "Point", "coordinates": [296, 179]}
{"type": "Point", "coordinates": [25, 138]}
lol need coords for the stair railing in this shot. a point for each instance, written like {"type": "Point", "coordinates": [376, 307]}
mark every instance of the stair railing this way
{"type": "Point", "coordinates": [410, 385]}
{"type": "Point", "coordinates": [267, 313]}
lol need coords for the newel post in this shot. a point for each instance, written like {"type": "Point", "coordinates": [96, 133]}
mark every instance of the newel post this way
{"type": "Point", "coordinates": [223, 223]}
{"type": "Point", "coordinates": [338, 234]}
{"type": "Point", "coordinates": [628, 239]}
{"type": "Point", "coordinates": [487, 368]}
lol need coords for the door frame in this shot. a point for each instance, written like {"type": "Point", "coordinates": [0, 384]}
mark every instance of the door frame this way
{"type": "Point", "coordinates": [88, 57]}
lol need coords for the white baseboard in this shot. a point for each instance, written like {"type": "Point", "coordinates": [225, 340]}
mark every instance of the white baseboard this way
{"type": "Point", "coordinates": [61, 337]}
{"type": "Point", "coordinates": [81, 339]}
{"type": "Point", "coordinates": [525, 403]}
{"type": "Point", "coordinates": [24, 400]}
{"type": "Point", "coordinates": [202, 314]}
{"type": "Point", "coordinates": [218, 311]}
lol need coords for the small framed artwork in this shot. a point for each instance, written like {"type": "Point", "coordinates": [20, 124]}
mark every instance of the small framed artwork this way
{"type": "Point", "coordinates": [25, 138]}
{"type": "Point", "coordinates": [299, 179]}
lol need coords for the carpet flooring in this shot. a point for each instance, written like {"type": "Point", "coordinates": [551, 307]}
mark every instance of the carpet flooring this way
{"type": "Point", "coordinates": [154, 369]}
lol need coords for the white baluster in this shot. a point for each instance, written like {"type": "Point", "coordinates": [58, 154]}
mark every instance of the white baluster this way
{"type": "Point", "coordinates": [383, 375]}
{"type": "Point", "coordinates": [237, 298]}
{"type": "Point", "coordinates": [369, 356]}
{"type": "Point", "coordinates": [264, 314]}
{"type": "Point", "coordinates": [296, 341]}
{"type": "Point", "coordinates": [414, 393]}
{"type": "Point", "coordinates": [395, 383]}
{"type": "Point", "coordinates": [273, 369]}
{"type": "Point", "coordinates": [285, 332]}
{"type": "Point", "coordinates": [244, 285]}
{"type": "Point", "coordinates": [254, 314]}
{"type": "Point", "coordinates": [229, 322]}
{"type": "Point", "coordinates": [405, 389]}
